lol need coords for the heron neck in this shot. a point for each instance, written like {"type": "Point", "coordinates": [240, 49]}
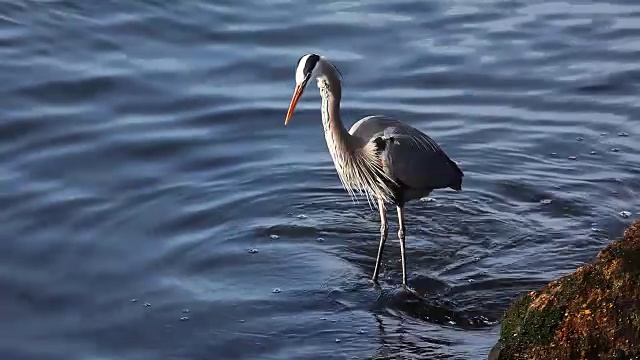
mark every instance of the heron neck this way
{"type": "Point", "coordinates": [335, 132]}
{"type": "Point", "coordinates": [341, 145]}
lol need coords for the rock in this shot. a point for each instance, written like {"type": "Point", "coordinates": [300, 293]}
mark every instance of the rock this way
{"type": "Point", "coordinates": [592, 313]}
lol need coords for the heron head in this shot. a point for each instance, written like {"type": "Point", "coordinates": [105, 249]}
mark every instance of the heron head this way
{"type": "Point", "coordinates": [309, 66]}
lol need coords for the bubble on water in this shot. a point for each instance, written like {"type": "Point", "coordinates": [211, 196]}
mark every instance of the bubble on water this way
{"type": "Point", "coordinates": [302, 216]}
{"type": "Point", "coordinates": [615, 149]}
{"type": "Point", "coordinates": [622, 133]}
{"type": "Point", "coordinates": [579, 138]}
{"type": "Point", "coordinates": [277, 291]}
{"type": "Point", "coordinates": [147, 304]}
{"type": "Point", "coordinates": [573, 157]}
{"type": "Point", "coordinates": [274, 237]}
{"type": "Point", "coordinates": [252, 251]}
{"type": "Point", "coordinates": [593, 152]}
{"type": "Point", "coordinates": [320, 239]}
{"type": "Point", "coordinates": [361, 331]}
{"type": "Point", "coordinates": [470, 280]}
{"type": "Point", "coordinates": [603, 133]}
{"type": "Point", "coordinates": [134, 300]}
{"type": "Point", "coordinates": [241, 321]}
{"type": "Point", "coordinates": [184, 318]}
{"type": "Point", "coordinates": [428, 199]}
{"type": "Point", "coordinates": [545, 201]}
{"type": "Point", "coordinates": [337, 340]}
{"type": "Point", "coordinates": [625, 214]}
{"type": "Point", "coordinates": [553, 154]}
{"type": "Point", "coordinates": [451, 322]}
{"type": "Point", "coordinates": [487, 321]}
{"type": "Point", "coordinates": [323, 318]}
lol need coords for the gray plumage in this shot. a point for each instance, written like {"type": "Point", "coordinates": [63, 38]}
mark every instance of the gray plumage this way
{"type": "Point", "coordinates": [379, 157]}
{"type": "Point", "coordinates": [409, 157]}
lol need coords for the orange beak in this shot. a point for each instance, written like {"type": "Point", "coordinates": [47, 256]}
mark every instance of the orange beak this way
{"type": "Point", "coordinates": [294, 101]}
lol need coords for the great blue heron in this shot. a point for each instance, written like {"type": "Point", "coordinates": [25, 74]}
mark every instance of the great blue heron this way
{"type": "Point", "coordinates": [379, 156]}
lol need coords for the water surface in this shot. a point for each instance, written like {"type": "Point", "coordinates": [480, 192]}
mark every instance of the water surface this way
{"type": "Point", "coordinates": [155, 207]}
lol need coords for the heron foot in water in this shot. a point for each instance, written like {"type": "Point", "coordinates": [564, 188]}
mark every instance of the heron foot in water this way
{"type": "Point", "coordinates": [411, 291]}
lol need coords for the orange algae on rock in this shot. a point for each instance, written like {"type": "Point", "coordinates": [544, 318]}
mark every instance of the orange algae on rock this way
{"type": "Point", "coordinates": [592, 313]}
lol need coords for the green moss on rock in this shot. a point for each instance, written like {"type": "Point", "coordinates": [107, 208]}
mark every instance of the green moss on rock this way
{"type": "Point", "coordinates": [513, 319]}
{"type": "Point", "coordinates": [593, 313]}
{"type": "Point", "coordinates": [526, 325]}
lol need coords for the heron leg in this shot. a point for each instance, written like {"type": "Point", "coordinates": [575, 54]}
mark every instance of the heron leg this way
{"type": "Point", "coordinates": [384, 231]}
{"type": "Point", "coordinates": [401, 237]}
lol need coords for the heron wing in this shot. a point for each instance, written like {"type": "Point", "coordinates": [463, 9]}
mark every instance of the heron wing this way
{"type": "Point", "coordinates": [369, 127]}
{"type": "Point", "coordinates": [410, 155]}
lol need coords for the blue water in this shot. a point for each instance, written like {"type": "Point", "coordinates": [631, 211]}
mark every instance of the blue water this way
{"type": "Point", "coordinates": [154, 206]}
